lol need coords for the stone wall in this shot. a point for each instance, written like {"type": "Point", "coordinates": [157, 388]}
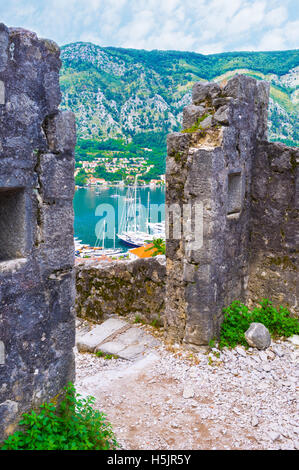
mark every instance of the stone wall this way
{"type": "Point", "coordinates": [217, 162]}
{"type": "Point", "coordinates": [274, 226]}
{"type": "Point", "coordinates": [37, 288]}
{"type": "Point", "coordinates": [126, 288]}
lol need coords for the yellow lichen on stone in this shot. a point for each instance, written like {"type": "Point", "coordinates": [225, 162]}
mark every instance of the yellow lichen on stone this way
{"type": "Point", "coordinates": [210, 140]}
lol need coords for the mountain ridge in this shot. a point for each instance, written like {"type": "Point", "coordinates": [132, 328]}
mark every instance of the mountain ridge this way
{"type": "Point", "coordinates": [118, 92]}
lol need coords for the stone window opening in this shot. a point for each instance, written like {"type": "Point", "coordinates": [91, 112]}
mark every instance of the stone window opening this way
{"type": "Point", "coordinates": [234, 191]}
{"type": "Point", "coordinates": [12, 224]}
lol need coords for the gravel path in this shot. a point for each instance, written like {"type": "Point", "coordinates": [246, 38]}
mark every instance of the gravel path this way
{"type": "Point", "coordinates": [172, 399]}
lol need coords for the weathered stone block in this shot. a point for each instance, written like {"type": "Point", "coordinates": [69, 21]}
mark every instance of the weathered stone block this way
{"type": "Point", "coordinates": [2, 92]}
{"type": "Point", "coordinates": [258, 336]}
{"type": "Point", "coordinates": [52, 93]}
{"type": "Point", "coordinates": [222, 115]}
{"type": "Point", "coordinates": [4, 39]}
{"type": "Point", "coordinates": [247, 188]}
{"type": "Point", "coordinates": [206, 123]}
{"type": "Point", "coordinates": [37, 323]}
{"type": "Point", "coordinates": [191, 114]}
{"type": "Point", "coordinates": [61, 132]}
{"type": "Point", "coordinates": [203, 91]}
{"type": "Point", "coordinates": [126, 288]}
{"type": "Point", "coordinates": [56, 177]}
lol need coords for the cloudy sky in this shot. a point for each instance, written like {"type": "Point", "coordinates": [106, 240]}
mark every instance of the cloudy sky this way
{"type": "Point", "coordinates": [205, 26]}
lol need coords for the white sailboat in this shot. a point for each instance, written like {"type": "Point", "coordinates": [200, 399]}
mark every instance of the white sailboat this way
{"type": "Point", "coordinates": [108, 251]}
{"type": "Point", "coordinates": [130, 231]}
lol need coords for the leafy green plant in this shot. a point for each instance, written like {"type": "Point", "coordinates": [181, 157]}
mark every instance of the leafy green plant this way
{"type": "Point", "coordinates": [71, 425]}
{"type": "Point", "coordinates": [138, 319]}
{"type": "Point", "coordinates": [197, 125]}
{"type": "Point", "coordinates": [210, 361]}
{"type": "Point", "coordinates": [154, 323]}
{"type": "Point", "coordinates": [100, 354]}
{"type": "Point", "coordinates": [111, 356]}
{"type": "Point", "coordinates": [106, 356]}
{"type": "Point", "coordinates": [238, 317]}
{"type": "Point", "coordinates": [158, 244]}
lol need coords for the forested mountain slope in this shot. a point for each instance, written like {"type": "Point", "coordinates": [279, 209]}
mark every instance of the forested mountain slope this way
{"type": "Point", "coordinates": [118, 93]}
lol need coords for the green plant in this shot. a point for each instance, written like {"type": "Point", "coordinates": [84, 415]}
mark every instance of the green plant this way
{"type": "Point", "coordinates": [154, 323]}
{"type": "Point", "coordinates": [111, 356]}
{"type": "Point", "coordinates": [71, 425]}
{"type": "Point", "coordinates": [158, 244]}
{"type": "Point", "coordinates": [210, 361]}
{"type": "Point", "coordinates": [138, 319]}
{"type": "Point", "coordinates": [238, 317]}
{"type": "Point", "coordinates": [197, 125]}
{"type": "Point", "coordinates": [100, 354]}
{"type": "Point", "coordinates": [106, 356]}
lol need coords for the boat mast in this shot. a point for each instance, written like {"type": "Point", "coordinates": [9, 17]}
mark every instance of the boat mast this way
{"type": "Point", "coordinates": [148, 212]}
{"type": "Point", "coordinates": [135, 204]}
{"type": "Point", "coordinates": [104, 234]}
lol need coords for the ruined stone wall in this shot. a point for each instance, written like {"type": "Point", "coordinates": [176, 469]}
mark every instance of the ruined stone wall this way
{"type": "Point", "coordinates": [274, 226]}
{"type": "Point", "coordinates": [125, 288]}
{"type": "Point", "coordinates": [37, 288]}
{"type": "Point", "coordinates": [214, 162]}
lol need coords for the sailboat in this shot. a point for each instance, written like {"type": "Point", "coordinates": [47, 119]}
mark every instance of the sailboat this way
{"type": "Point", "coordinates": [108, 251]}
{"type": "Point", "coordinates": [130, 232]}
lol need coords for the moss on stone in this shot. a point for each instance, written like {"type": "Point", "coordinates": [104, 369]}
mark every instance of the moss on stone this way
{"type": "Point", "coordinates": [196, 127]}
{"type": "Point", "coordinates": [51, 46]}
{"type": "Point", "coordinates": [284, 261]}
{"type": "Point", "coordinates": [293, 162]}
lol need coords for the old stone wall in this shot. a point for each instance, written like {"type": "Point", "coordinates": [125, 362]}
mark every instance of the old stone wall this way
{"type": "Point", "coordinates": [126, 288]}
{"type": "Point", "coordinates": [215, 164]}
{"type": "Point", "coordinates": [274, 226]}
{"type": "Point", "coordinates": [37, 288]}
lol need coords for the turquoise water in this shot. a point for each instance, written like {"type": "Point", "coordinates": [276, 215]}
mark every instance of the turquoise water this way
{"type": "Point", "coordinates": [94, 206]}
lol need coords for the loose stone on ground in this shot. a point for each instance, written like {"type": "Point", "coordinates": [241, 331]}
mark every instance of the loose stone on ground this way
{"type": "Point", "coordinates": [163, 400]}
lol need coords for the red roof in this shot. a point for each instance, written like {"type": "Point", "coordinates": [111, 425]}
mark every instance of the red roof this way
{"type": "Point", "coordinates": [142, 252]}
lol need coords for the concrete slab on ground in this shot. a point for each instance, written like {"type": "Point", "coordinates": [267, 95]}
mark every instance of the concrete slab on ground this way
{"type": "Point", "coordinates": [100, 333]}
{"type": "Point", "coordinates": [129, 345]}
{"type": "Point", "coordinates": [115, 336]}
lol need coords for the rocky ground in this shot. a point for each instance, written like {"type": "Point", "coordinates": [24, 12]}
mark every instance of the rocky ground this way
{"type": "Point", "coordinates": [173, 399]}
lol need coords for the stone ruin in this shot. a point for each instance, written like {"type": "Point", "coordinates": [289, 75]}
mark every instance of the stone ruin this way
{"type": "Point", "coordinates": [129, 289]}
{"type": "Point", "coordinates": [247, 192]}
{"type": "Point", "coordinates": [37, 289]}
{"type": "Point", "coordinates": [246, 189]}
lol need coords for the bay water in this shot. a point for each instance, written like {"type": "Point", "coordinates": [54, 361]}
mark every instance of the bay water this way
{"type": "Point", "coordinates": [98, 209]}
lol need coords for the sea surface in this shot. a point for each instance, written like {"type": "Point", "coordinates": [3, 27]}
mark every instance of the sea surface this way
{"type": "Point", "coordinates": [99, 209]}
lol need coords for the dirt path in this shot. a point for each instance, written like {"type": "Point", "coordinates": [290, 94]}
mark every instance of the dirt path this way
{"type": "Point", "coordinates": [166, 400]}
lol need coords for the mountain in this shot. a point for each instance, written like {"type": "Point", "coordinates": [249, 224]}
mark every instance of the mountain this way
{"type": "Point", "coordinates": [118, 93]}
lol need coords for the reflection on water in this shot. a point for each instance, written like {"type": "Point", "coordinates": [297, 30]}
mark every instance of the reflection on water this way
{"type": "Point", "coordinates": [93, 206]}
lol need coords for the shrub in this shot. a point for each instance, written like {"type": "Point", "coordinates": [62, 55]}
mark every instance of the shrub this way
{"type": "Point", "coordinates": [72, 425]}
{"type": "Point", "coordinates": [106, 356]}
{"type": "Point", "coordinates": [158, 244]}
{"type": "Point", "coordinates": [238, 317]}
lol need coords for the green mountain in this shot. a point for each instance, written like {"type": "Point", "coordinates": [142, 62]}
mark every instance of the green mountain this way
{"type": "Point", "coordinates": [119, 93]}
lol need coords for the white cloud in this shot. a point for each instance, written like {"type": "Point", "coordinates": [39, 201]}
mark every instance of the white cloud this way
{"type": "Point", "coordinates": [273, 40]}
{"type": "Point", "coordinates": [248, 17]}
{"type": "Point", "coordinates": [291, 32]}
{"type": "Point", "coordinates": [199, 25]}
{"type": "Point", "coordinates": [276, 17]}
{"type": "Point", "coordinates": [211, 48]}
{"type": "Point", "coordinates": [281, 38]}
